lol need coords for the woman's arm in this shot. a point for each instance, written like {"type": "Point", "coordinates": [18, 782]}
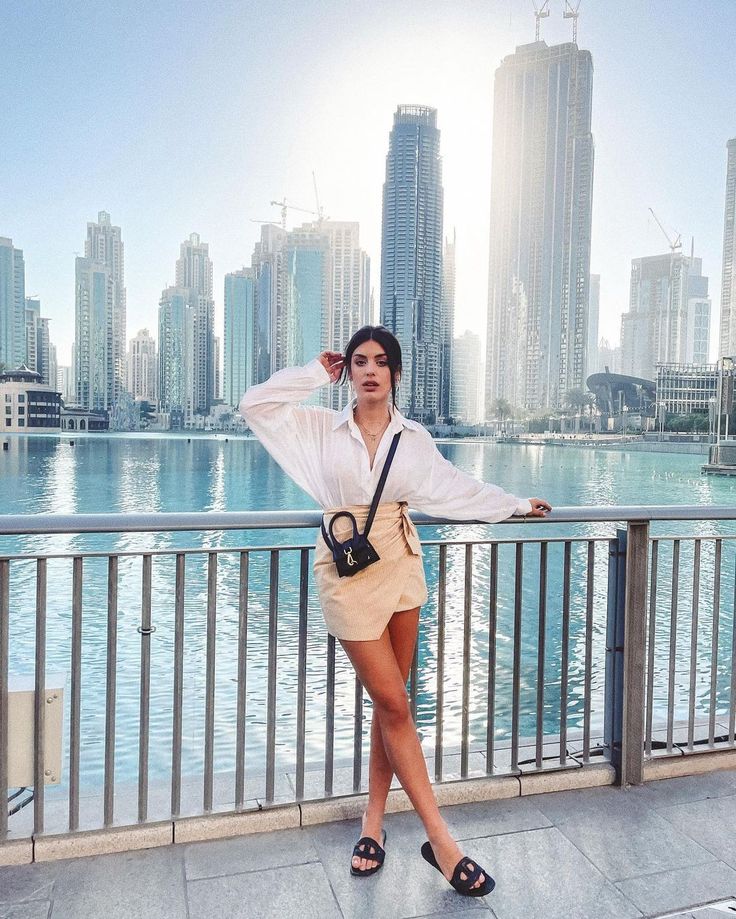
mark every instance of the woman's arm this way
{"type": "Point", "coordinates": [443, 490]}
{"type": "Point", "coordinates": [291, 432]}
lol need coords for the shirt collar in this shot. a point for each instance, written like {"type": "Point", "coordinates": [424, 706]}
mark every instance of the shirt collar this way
{"type": "Point", "coordinates": [346, 417]}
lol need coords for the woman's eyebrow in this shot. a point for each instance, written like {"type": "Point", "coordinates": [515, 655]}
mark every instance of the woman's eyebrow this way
{"type": "Point", "coordinates": [360, 354]}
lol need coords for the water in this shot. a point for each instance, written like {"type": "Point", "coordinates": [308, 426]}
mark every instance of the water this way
{"type": "Point", "coordinates": [129, 473]}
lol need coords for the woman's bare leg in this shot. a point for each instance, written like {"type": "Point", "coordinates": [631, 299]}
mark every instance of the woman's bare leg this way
{"type": "Point", "coordinates": [377, 668]}
{"type": "Point", "coordinates": [402, 629]}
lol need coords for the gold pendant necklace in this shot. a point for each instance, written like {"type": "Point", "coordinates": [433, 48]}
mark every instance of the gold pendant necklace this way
{"type": "Point", "coordinates": [372, 435]}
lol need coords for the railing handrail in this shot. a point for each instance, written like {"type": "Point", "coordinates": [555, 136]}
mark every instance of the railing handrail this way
{"type": "Point", "coordinates": [29, 524]}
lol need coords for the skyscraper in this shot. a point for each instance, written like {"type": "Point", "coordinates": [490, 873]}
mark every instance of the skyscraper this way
{"type": "Point", "coordinates": [267, 266]}
{"type": "Point", "coordinates": [104, 245]}
{"type": "Point", "coordinates": [142, 368]}
{"type": "Point", "coordinates": [411, 255]}
{"type": "Point", "coordinates": [465, 390]}
{"type": "Point", "coordinates": [727, 346]}
{"type": "Point", "coordinates": [312, 292]}
{"type": "Point", "coordinates": [93, 334]}
{"type": "Point", "coordinates": [175, 330]}
{"type": "Point", "coordinates": [239, 337]}
{"type": "Point", "coordinates": [12, 305]}
{"type": "Point", "coordinates": [592, 362]}
{"type": "Point", "coordinates": [541, 196]}
{"type": "Point", "coordinates": [194, 273]}
{"type": "Point", "coordinates": [40, 352]}
{"type": "Point", "coordinates": [447, 325]}
{"type": "Point", "coordinates": [669, 314]}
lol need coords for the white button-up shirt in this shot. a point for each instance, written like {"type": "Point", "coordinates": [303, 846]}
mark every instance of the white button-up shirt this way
{"type": "Point", "coordinates": [324, 453]}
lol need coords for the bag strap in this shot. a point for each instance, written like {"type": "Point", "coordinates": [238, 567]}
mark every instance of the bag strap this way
{"type": "Point", "coordinates": [381, 483]}
{"type": "Point", "coordinates": [374, 502]}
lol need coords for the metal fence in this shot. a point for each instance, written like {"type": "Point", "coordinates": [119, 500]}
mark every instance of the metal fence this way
{"type": "Point", "coordinates": [201, 679]}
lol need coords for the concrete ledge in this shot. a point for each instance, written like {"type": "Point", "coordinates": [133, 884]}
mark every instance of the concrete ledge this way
{"type": "Point", "coordinates": [488, 788]}
{"type": "Point", "coordinates": [102, 842]}
{"type": "Point", "coordinates": [691, 764]}
{"type": "Point", "coordinates": [222, 826]}
{"type": "Point", "coordinates": [16, 852]}
{"type": "Point", "coordinates": [591, 776]}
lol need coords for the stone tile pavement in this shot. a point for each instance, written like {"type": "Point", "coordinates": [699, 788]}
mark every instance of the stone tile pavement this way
{"type": "Point", "coordinates": [666, 848]}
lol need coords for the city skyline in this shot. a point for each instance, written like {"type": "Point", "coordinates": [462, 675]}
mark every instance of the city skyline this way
{"type": "Point", "coordinates": [262, 143]}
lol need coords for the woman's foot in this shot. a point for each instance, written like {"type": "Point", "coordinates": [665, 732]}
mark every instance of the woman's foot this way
{"type": "Point", "coordinates": [447, 854]}
{"type": "Point", "coordinates": [371, 827]}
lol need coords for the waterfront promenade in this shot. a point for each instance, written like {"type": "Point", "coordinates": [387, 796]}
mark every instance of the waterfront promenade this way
{"type": "Point", "coordinates": [664, 848]}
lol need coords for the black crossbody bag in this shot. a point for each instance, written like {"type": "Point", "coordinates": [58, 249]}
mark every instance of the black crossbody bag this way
{"type": "Point", "coordinates": [356, 553]}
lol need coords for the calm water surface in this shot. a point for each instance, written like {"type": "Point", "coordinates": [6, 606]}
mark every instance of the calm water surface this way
{"type": "Point", "coordinates": [129, 473]}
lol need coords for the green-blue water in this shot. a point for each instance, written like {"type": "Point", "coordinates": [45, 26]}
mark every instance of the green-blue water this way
{"type": "Point", "coordinates": [162, 473]}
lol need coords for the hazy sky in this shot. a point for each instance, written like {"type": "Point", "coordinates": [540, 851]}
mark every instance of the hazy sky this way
{"type": "Point", "coordinates": [191, 117]}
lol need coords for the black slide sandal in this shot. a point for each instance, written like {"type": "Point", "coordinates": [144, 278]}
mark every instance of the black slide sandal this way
{"type": "Point", "coordinates": [362, 849]}
{"type": "Point", "coordinates": [462, 886]}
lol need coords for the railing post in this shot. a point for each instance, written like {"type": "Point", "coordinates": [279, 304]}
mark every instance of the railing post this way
{"type": "Point", "coordinates": [626, 651]}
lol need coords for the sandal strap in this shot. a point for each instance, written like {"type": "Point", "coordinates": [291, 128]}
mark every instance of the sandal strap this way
{"type": "Point", "coordinates": [363, 846]}
{"type": "Point", "coordinates": [472, 874]}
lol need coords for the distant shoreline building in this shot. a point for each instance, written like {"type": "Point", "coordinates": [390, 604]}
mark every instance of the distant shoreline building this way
{"type": "Point", "coordinates": [12, 304]}
{"type": "Point", "coordinates": [447, 326]}
{"type": "Point", "coordinates": [466, 386]}
{"type": "Point", "coordinates": [668, 321]}
{"type": "Point", "coordinates": [727, 344]}
{"type": "Point", "coordinates": [29, 406]}
{"type": "Point", "coordinates": [411, 256]}
{"type": "Point", "coordinates": [239, 338]}
{"type": "Point", "coordinates": [541, 212]}
{"type": "Point", "coordinates": [142, 368]}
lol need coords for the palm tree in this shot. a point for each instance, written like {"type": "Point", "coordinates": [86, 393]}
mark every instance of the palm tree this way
{"type": "Point", "coordinates": [575, 399]}
{"type": "Point", "coordinates": [502, 409]}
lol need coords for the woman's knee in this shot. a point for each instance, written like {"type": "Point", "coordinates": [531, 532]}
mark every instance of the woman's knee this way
{"type": "Point", "coordinates": [392, 707]}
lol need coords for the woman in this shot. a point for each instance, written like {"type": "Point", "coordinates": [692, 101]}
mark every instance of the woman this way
{"type": "Point", "coordinates": [337, 458]}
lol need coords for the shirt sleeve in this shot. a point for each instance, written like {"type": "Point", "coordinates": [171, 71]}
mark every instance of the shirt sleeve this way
{"type": "Point", "coordinates": [290, 432]}
{"type": "Point", "coordinates": [443, 490]}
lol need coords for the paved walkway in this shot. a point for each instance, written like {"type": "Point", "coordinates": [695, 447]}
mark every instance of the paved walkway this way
{"type": "Point", "coordinates": [663, 849]}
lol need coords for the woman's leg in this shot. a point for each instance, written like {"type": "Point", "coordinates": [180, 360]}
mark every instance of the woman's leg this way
{"type": "Point", "coordinates": [402, 629]}
{"type": "Point", "coordinates": [378, 670]}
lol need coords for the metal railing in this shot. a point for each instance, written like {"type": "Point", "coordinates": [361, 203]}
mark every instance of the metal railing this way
{"type": "Point", "coordinates": [205, 676]}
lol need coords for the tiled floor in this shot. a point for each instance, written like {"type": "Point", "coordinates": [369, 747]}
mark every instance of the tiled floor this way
{"type": "Point", "coordinates": [601, 853]}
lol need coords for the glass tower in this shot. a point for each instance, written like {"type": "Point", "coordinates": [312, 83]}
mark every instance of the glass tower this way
{"type": "Point", "coordinates": [411, 256]}
{"type": "Point", "coordinates": [541, 197]}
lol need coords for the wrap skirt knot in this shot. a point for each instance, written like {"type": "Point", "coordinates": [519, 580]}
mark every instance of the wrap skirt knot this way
{"type": "Point", "coordinates": [359, 608]}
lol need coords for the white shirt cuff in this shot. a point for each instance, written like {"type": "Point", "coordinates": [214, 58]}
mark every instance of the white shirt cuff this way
{"type": "Point", "coordinates": [523, 508]}
{"type": "Point", "coordinates": [317, 368]}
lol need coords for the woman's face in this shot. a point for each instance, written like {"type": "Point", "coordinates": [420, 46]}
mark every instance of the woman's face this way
{"type": "Point", "coordinates": [370, 374]}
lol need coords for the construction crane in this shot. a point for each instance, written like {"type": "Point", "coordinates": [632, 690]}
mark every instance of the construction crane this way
{"type": "Point", "coordinates": [674, 246]}
{"type": "Point", "coordinates": [571, 12]}
{"type": "Point", "coordinates": [540, 13]}
{"type": "Point", "coordinates": [285, 207]}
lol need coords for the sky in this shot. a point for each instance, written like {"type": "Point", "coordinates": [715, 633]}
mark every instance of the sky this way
{"type": "Point", "coordinates": [192, 117]}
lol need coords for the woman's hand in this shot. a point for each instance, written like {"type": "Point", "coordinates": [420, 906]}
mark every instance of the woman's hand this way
{"type": "Point", "coordinates": [333, 363]}
{"type": "Point", "coordinates": [540, 507]}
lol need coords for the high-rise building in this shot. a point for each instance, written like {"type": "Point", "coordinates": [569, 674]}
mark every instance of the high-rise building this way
{"type": "Point", "coordinates": [447, 325]}
{"type": "Point", "coordinates": [411, 255]}
{"type": "Point", "coordinates": [312, 292]}
{"type": "Point", "coordinates": [239, 353]}
{"type": "Point", "coordinates": [269, 278]}
{"type": "Point", "coordinates": [218, 370]}
{"type": "Point", "coordinates": [175, 351]}
{"type": "Point", "coordinates": [669, 314]}
{"type": "Point", "coordinates": [142, 368]}
{"type": "Point", "coordinates": [541, 198]}
{"type": "Point", "coordinates": [466, 387]}
{"type": "Point", "coordinates": [65, 384]}
{"type": "Point", "coordinates": [727, 346]}
{"type": "Point", "coordinates": [12, 305]}
{"type": "Point", "coordinates": [194, 273]}
{"type": "Point", "coordinates": [40, 354]}
{"type": "Point", "coordinates": [104, 245]}
{"type": "Point", "coordinates": [348, 293]}
{"type": "Point", "coordinates": [93, 335]}
{"type": "Point", "coordinates": [594, 310]}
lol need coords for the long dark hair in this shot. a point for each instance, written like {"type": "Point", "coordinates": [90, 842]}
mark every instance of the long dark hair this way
{"type": "Point", "coordinates": [387, 340]}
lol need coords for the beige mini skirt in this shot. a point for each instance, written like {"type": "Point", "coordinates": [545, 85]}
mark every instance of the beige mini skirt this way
{"type": "Point", "coordinates": [358, 608]}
